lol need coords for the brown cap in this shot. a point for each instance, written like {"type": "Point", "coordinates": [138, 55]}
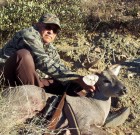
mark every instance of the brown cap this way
{"type": "Point", "coordinates": [50, 18]}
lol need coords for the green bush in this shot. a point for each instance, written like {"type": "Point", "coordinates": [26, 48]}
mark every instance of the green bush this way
{"type": "Point", "coordinates": [77, 16]}
{"type": "Point", "coordinates": [21, 14]}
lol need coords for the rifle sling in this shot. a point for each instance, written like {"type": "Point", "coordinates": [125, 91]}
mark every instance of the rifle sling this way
{"type": "Point", "coordinates": [68, 113]}
{"type": "Point", "coordinates": [55, 118]}
{"type": "Point", "coordinates": [73, 125]}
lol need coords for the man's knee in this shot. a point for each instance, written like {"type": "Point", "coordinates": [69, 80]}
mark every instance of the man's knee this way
{"type": "Point", "coordinates": [24, 53]}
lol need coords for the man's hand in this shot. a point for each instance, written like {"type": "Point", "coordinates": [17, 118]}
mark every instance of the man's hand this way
{"type": "Point", "coordinates": [88, 88]}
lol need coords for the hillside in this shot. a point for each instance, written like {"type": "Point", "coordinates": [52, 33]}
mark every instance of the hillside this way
{"type": "Point", "coordinates": [94, 36]}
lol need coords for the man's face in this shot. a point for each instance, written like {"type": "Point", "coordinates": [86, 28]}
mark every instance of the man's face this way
{"type": "Point", "coordinates": [48, 32]}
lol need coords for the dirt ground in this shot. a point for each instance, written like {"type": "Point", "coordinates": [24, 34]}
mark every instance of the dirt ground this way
{"type": "Point", "coordinates": [130, 75]}
{"type": "Point", "coordinates": [101, 51]}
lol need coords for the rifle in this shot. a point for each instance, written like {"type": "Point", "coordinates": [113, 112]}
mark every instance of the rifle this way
{"type": "Point", "coordinates": [56, 115]}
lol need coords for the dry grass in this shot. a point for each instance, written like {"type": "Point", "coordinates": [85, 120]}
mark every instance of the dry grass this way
{"type": "Point", "coordinates": [15, 108]}
{"type": "Point", "coordinates": [106, 10]}
{"type": "Point", "coordinates": [77, 55]}
{"type": "Point", "coordinates": [19, 115]}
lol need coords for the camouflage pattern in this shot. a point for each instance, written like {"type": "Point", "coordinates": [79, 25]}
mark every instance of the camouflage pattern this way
{"type": "Point", "coordinates": [50, 18]}
{"type": "Point", "coordinates": [46, 57]}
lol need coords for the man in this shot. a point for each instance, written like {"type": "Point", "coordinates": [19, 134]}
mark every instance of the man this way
{"type": "Point", "coordinates": [32, 49]}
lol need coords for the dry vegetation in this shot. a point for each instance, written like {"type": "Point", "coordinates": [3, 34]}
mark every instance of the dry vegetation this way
{"type": "Point", "coordinates": [94, 36]}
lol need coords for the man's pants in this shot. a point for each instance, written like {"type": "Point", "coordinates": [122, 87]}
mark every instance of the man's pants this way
{"type": "Point", "coordinates": [20, 69]}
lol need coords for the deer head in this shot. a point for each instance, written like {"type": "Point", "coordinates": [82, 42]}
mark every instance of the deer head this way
{"type": "Point", "coordinates": [109, 84]}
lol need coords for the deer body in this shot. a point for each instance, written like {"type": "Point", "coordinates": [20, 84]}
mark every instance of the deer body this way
{"type": "Point", "coordinates": [83, 108]}
{"type": "Point", "coordinates": [90, 111]}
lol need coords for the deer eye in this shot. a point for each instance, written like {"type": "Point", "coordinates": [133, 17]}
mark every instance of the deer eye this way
{"type": "Point", "coordinates": [107, 81]}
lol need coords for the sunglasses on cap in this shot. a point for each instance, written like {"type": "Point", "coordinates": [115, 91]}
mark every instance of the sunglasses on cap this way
{"type": "Point", "coordinates": [53, 27]}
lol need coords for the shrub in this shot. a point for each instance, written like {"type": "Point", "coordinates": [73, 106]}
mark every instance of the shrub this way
{"type": "Point", "coordinates": [20, 14]}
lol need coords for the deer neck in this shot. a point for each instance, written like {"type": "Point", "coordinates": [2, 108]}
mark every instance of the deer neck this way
{"type": "Point", "coordinates": [102, 101]}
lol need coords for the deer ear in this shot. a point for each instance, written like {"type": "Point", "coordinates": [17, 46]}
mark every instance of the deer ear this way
{"type": "Point", "coordinates": [90, 79]}
{"type": "Point", "coordinates": [115, 69]}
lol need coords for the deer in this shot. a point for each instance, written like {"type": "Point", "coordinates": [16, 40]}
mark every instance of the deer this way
{"type": "Point", "coordinates": [91, 111]}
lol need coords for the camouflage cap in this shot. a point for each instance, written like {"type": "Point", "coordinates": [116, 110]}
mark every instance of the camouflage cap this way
{"type": "Point", "coordinates": [50, 18]}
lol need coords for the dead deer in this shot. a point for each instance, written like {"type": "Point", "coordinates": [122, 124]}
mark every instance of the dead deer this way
{"type": "Point", "coordinates": [90, 111]}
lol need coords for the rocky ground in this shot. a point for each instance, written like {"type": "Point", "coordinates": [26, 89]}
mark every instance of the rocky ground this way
{"type": "Point", "coordinates": [101, 51]}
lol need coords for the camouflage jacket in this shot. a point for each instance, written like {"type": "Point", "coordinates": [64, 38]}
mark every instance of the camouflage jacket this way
{"type": "Point", "coordinates": [46, 57]}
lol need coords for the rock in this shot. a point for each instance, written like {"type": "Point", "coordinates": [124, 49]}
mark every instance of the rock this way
{"type": "Point", "coordinates": [117, 118]}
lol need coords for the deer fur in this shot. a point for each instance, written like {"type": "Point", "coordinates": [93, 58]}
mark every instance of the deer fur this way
{"type": "Point", "coordinates": [91, 111]}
